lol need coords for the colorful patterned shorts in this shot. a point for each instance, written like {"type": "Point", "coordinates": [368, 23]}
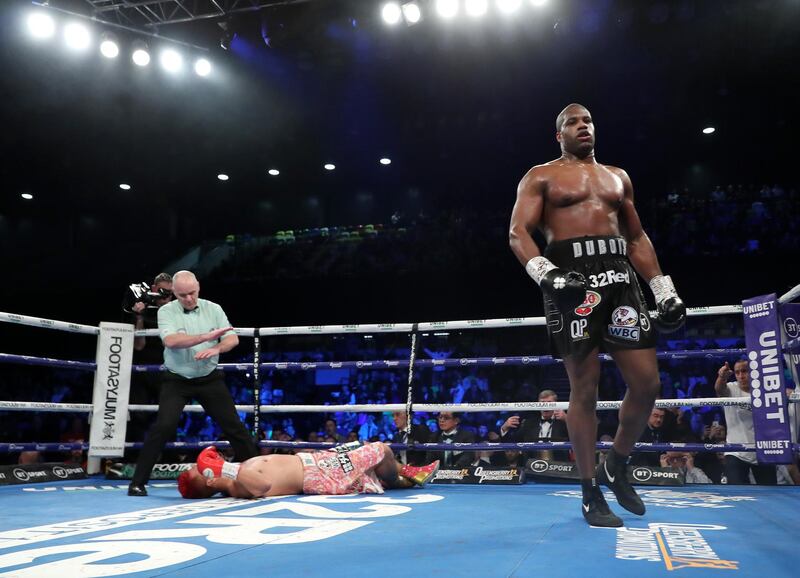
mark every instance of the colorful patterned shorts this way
{"type": "Point", "coordinates": [334, 473]}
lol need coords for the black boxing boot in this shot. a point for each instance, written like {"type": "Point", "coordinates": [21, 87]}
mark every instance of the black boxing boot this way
{"type": "Point", "coordinates": [566, 288]}
{"type": "Point", "coordinates": [595, 508]}
{"type": "Point", "coordinates": [671, 310]}
{"type": "Point", "coordinates": [613, 473]}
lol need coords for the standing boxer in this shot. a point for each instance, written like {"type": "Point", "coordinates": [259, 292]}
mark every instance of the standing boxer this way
{"type": "Point", "coordinates": [595, 247]}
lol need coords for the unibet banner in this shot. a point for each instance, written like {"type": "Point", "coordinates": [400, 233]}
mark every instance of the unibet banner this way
{"type": "Point", "coordinates": [762, 332]}
{"type": "Point", "coordinates": [112, 383]}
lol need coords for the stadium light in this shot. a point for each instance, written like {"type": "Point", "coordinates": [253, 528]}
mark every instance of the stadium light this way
{"type": "Point", "coordinates": [223, 177]}
{"type": "Point", "coordinates": [476, 8]}
{"type": "Point", "coordinates": [125, 186]}
{"type": "Point", "coordinates": [41, 25]}
{"type": "Point", "coordinates": [411, 13]}
{"type": "Point", "coordinates": [329, 166]}
{"type": "Point", "coordinates": [140, 56]}
{"type": "Point", "coordinates": [202, 67]}
{"type": "Point", "coordinates": [109, 46]}
{"type": "Point", "coordinates": [447, 8]}
{"type": "Point", "coordinates": [508, 6]}
{"type": "Point", "coordinates": [391, 13]}
{"type": "Point", "coordinates": [77, 36]}
{"type": "Point", "coordinates": [27, 196]}
{"type": "Point", "coordinates": [709, 130]}
{"type": "Point", "coordinates": [171, 60]}
{"type": "Point", "coordinates": [386, 161]}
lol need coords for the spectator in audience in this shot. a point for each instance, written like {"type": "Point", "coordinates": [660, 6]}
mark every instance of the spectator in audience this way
{"type": "Point", "coordinates": [449, 432]}
{"type": "Point", "coordinates": [602, 454]}
{"type": "Point", "coordinates": [713, 463]}
{"type": "Point", "coordinates": [739, 421]}
{"type": "Point", "coordinates": [368, 428]}
{"type": "Point", "coordinates": [332, 430]}
{"type": "Point", "coordinates": [75, 434]}
{"type": "Point", "coordinates": [29, 457]}
{"type": "Point", "coordinates": [542, 426]}
{"type": "Point", "coordinates": [684, 462]}
{"type": "Point", "coordinates": [419, 434]}
{"type": "Point", "coordinates": [654, 434]}
{"type": "Point", "coordinates": [675, 421]}
{"type": "Point", "coordinates": [507, 459]}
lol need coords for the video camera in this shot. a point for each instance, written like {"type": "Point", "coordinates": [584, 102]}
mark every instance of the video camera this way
{"type": "Point", "coordinates": [141, 293]}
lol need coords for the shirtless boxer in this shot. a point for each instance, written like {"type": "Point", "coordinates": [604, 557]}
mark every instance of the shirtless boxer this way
{"type": "Point", "coordinates": [595, 247]}
{"type": "Point", "coordinates": [342, 470]}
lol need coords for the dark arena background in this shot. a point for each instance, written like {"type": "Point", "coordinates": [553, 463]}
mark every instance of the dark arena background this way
{"type": "Point", "coordinates": [321, 162]}
{"type": "Point", "coordinates": [462, 107]}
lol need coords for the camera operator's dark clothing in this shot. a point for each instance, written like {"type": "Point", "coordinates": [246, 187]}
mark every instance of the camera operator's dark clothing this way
{"type": "Point", "coordinates": [153, 352]}
{"type": "Point", "coordinates": [212, 393]}
{"type": "Point", "coordinates": [145, 386]}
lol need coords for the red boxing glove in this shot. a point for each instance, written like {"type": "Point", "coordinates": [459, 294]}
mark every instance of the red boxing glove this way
{"type": "Point", "coordinates": [212, 465]}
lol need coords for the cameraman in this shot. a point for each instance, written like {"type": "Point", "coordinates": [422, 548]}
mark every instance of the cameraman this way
{"type": "Point", "coordinates": [140, 307]}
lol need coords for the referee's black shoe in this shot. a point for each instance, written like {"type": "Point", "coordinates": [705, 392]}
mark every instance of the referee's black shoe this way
{"type": "Point", "coordinates": [597, 512]}
{"type": "Point", "coordinates": [137, 490]}
{"type": "Point", "coordinates": [615, 477]}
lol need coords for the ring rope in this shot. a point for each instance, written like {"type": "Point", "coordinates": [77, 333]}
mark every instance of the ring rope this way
{"type": "Point", "coordinates": [792, 346]}
{"type": "Point", "coordinates": [790, 295]}
{"type": "Point", "coordinates": [369, 328]}
{"type": "Point", "coordinates": [486, 446]}
{"type": "Point", "coordinates": [48, 323]}
{"type": "Point", "coordinates": [434, 325]}
{"type": "Point", "coordinates": [47, 362]}
{"type": "Point", "coordinates": [455, 362]}
{"type": "Point", "coordinates": [391, 407]}
{"type": "Point", "coordinates": [376, 364]}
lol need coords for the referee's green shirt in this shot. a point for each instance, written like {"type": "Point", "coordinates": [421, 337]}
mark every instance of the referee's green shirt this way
{"type": "Point", "coordinates": [173, 318]}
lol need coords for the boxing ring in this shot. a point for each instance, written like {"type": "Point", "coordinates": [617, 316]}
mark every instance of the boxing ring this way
{"type": "Point", "coordinates": [83, 528]}
{"type": "Point", "coordinates": [89, 527]}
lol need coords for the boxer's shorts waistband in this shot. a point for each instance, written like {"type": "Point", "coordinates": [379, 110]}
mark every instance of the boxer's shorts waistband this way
{"type": "Point", "coordinates": [587, 249]}
{"type": "Point", "coordinates": [307, 459]}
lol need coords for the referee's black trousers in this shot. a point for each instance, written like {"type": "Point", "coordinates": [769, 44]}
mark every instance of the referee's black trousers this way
{"type": "Point", "coordinates": [213, 395]}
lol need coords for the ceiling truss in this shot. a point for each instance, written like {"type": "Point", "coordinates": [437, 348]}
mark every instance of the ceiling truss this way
{"type": "Point", "coordinates": [150, 14]}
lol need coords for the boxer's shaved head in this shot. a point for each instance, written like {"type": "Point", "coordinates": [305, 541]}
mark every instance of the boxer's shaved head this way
{"type": "Point", "coordinates": [562, 116]}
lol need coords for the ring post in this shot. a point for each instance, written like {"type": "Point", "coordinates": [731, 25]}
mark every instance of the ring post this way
{"type": "Point", "coordinates": [112, 384]}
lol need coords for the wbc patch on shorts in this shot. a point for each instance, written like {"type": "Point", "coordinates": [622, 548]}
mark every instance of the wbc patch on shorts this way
{"type": "Point", "coordinates": [624, 323]}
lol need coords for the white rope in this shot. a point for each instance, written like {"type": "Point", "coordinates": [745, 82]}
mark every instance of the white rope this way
{"type": "Point", "coordinates": [48, 323]}
{"type": "Point", "coordinates": [465, 324]}
{"type": "Point", "coordinates": [45, 406]}
{"type": "Point", "coordinates": [790, 295]}
{"type": "Point", "coordinates": [391, 407]}
{"type": "Point", "coordinates": [364, 328]}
